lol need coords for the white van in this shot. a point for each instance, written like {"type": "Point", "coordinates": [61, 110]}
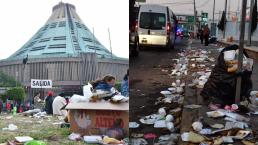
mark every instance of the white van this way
{"type": "Point", "coordinates": [156, 26]}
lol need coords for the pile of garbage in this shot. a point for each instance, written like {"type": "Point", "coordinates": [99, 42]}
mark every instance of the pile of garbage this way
{"type": "Point", "coordinates": [232, 126]}
{"type": "Point", "coordinates": [236, 127]}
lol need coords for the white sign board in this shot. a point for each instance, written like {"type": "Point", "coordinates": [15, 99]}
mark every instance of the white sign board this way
{"type": "Point", "coordinates": [41, 83]}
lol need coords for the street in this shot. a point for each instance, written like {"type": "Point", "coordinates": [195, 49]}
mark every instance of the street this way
{"type": "Point", "coordinates": [150, 76]}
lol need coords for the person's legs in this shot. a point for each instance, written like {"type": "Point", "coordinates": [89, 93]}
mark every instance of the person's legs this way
{"type": "Point", "coordinates": [206, 40]}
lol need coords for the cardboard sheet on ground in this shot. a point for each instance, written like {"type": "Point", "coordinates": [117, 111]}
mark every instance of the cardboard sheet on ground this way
{"type": "Point", "coordinates": [92, 118]}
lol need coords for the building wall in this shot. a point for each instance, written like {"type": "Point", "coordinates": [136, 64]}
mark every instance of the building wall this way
{"type": "Point", "coordinates": [65, 71]}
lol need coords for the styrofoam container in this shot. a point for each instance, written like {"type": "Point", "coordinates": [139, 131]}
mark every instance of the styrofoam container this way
{"type": "Point", "coordinates": [92, 139]}
{"type": "Point", "coordinates": [229, 55]}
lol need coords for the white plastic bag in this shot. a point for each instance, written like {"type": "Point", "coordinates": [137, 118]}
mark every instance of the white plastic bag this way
{"type": "Point", "coordinates": [77, 99]}
{"type": "Point", "coordinates": [87, 90]}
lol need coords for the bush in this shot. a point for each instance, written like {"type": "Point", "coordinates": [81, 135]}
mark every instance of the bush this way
{"type": "Point", "coordinates": [3, 97]}
{"type": "Point", "coordinates": [16, 93]}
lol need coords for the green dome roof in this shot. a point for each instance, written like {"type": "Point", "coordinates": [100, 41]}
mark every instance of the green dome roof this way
{"type": "Point", "coordinates": [63, 35]}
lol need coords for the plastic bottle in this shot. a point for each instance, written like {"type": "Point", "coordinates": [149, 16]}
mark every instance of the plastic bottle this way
{"type": "Point", "coordinates": [14, 110]}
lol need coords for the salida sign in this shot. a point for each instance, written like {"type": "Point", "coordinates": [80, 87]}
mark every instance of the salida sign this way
{"type": "Point", "coordinates": [41, 83]}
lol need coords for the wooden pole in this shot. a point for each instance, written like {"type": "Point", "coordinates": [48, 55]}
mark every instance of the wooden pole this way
{"type": "Point", "coordinates": [250, 23]}
{"type": "Point", "coordinates": [224, 32]}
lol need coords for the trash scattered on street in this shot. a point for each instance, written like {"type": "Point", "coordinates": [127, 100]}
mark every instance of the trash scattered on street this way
{"type": "Point", "coordinates": [197, 126]}
{"type": "Point", "coordinates": [133, 125]}
{"type": "Point", "coordinates": [192, 106]}
{"type": "Point", "coordinates": [138, 141]}
{"type": "Point", "coordinates": [192, 70]}
{"type": "Point", "coordinates": [217, 126]}
{"type": "Point", "coordinates": [215, 114]}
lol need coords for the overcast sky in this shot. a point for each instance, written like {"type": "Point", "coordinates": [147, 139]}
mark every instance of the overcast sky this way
{"type": "Point", "coordinates": [186, 6]}
{"type": "Point", "coordinates": [20, 20]}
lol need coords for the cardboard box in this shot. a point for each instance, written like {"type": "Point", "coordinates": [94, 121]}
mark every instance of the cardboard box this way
{"type": "Point", "coordinates": [92, 118]}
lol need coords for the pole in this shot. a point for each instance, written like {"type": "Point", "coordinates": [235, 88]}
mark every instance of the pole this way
{"type": "Point", "coordinates": [249, 37]}
{"type": "Point", "coordinates": [194, 19]}
{"type": "Point", "coordinates": [110, 45]}
{"type": "Point", "coordinates": [229, 2]}
{"type": "Point", "coordinates": [241, 50]}
{"type": "Point", "coordinates": [213, 12]}
{"type": "Point", "coordinates": [224, 32]}
{"type": "Point", "coordinates": [213, 23]}
{"type": "Point", "coordinates": [93, 38]}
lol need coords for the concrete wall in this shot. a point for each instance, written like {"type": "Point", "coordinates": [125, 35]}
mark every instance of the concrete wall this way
{"type": "Point", "coordinates": [233, 29]}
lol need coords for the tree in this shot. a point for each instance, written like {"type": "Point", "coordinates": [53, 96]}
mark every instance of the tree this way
{"type": "Point", "coordinates": [8, 81]}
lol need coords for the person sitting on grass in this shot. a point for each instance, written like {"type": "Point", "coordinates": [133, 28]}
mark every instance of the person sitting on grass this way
{"type": "Point", "coordinates": [58, 103]}
{"type": "Point", "coordinates": [48, 102]}
{"type": "Point", "coordinates": [1, 105]}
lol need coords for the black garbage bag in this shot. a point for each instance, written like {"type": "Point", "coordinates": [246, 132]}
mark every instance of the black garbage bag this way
{"type": "Point", "coordinates": [221, 85]}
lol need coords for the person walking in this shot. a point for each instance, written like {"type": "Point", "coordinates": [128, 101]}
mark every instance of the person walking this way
{"type": "Point", "coordinates": [201, 35]}
{"type": "Point", "coordinates": [206, 33]}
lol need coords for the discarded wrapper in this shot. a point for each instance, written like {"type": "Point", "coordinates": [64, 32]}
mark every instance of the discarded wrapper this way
{"type": "Point", "coordinates": [217, 126]}
{"type": "Point", "coordinates": [215, 114]}
{"type": "Point", "coordinates": [193, 106]}
{"type": "Point", "coordinates": [160, 124]}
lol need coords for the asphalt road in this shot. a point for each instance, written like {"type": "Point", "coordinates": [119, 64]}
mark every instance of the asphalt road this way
{"type": "Point", "coordinates": [147, 80]}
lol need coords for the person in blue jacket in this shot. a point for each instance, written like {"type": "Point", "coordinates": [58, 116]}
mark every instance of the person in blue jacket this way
{"type": "Point", "coordinates": [125, 85]}
{"type": "Point", "coordinates": [105, 84]}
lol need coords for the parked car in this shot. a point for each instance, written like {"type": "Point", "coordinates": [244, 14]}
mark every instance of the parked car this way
{"type": "Point", "coordinates": [156, 26]}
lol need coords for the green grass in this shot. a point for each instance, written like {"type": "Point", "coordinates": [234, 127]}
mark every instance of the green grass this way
{"type": "Point", "coordinates": [44, 131]}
